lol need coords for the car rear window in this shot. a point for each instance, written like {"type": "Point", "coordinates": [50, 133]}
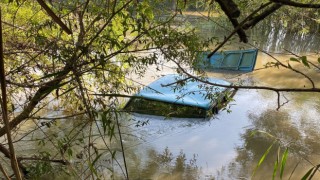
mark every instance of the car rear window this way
{"type": "Point", "coordinates": [152, 107]}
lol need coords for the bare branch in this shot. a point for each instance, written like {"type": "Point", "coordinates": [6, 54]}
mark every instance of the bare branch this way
{"type": "Point", "coordinates": [239, 27]}
{"type": "Point", "coordinates": [232, 11]}
{"type": "Point", "coordinates": [4, 172]}
{"type": "Point", "coordinates": [61, 161]}
{"type": "Point", "coordinates": [54, 16]}
{"type": "Point", "coordinates": [314, 65]}
{"type": "Point", "coordinates": [287, 67]}
{"type": "Point", "coordinates": [252, 22]}
{"type": "Point", "coordinates": [56, 118]}
{"type": "Point", "coordinates": [296, 4]}
{"type": "Point", "coordinates": [229, 7]}
{"type": "Point", "coordinates": [316, 90]}
{"type": "Point", "coordinates": [278, 100]}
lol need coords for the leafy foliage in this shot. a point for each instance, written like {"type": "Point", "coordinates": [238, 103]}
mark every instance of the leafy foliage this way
{"type": "Point", "coordinates": [51, 71]}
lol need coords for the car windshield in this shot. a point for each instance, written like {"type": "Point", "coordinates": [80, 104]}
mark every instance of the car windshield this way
{"type": "Point", "coordinates": [152, 107]}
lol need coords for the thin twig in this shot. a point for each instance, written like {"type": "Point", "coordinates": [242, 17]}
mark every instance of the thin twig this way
{"type": "Point", "coordinates": [317, 67]}
{"type": "Point", "coordinates": [239, 27]}
{"type": "Point", "coordinates": [54, 16]}
{"type": "Point", "coordinates": [285, 66]}
{"type": "Point", "coordinates": [122, 149]}
{"type": "Point", "coordinates": [4, 172]}
{"type": "Point", "coordinates": [60, 161]}
{"type": "Point", "coordinates": [296, 4]}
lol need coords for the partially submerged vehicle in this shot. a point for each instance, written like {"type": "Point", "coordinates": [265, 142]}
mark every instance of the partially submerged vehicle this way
{"type": "Point", "coordinates": [174, 95]}
{"type": "Point", "coordinates": [237, 60]}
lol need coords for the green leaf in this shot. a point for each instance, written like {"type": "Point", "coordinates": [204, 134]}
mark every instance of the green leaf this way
{"type": "Point", "coordinates": [70, 152]}
{"type": "Point", "coordinates": [294, 59]}
{"type": "Point", "coordinates": [305, 61]}
{"type": "Point", "coordinates": [263, 158]}
{"type": "Point", "coordinates": [276, 164]}
{"type": "Point", "coordinates": [96, 159]}
{"type": "Point", "coordinates": [283, 162]}
{"type": "Point", "coordinates": [307, 174]}
{"type": "Point", "coordinates": [92, 168]}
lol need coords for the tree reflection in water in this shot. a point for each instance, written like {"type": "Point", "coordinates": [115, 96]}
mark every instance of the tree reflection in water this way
{"type": "Point", "coordinates": [302, 142]}
{"type": "Point", "coordinates": [165, 166]}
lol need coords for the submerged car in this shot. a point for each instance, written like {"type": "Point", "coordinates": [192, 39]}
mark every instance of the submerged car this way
{"type": "Point", "coordinates": [236, 60]}
{"type": "Point", "coordinates": [175, 95]}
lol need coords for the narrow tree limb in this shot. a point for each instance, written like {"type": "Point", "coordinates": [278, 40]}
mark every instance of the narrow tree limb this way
{"type": "Point", "coordinates": [279, 104]}
{"type": "Point", "coordinates": [60, 161]}
{"type": "Point", "coordinates": [252, 22]}
{"type": "Point", "coordinates": [4, 107]}
{"type": "Point", "coordinates": [122, 149]}
{"type": "Point", "coordinates": [54, 16]}
{"type": "Point", "coordinates": [239, 27]}
{"type": "Point", "coordinates": [296, 4]}
{"type": "Point", "coordinates": [287, 67]}
{"type": "Point", "coordinates": [4, 172]}
{"type": "Point", "coordinates": [314, 65]}
{"type": "Point", "coordinates": [228, 6]}
{"type": "Point", "coordinates": [56, 118]}
{"type": "Point", "coordinates": [232, 15]}
{"type": "Point", "coordinates": [313, 89]}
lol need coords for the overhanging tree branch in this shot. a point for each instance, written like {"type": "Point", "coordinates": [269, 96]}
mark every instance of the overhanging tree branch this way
{"type": "Point", "coordinates": [277, 90]}
{"type": "Point", "coordinates": [4, 172]}
{"type": "Point", "coordinates": [232, 11]}
{"type": "Point", "coordinates": [60, 161]}
{"type": "Point", "coordinates": [54, 16]}
{"type": "Point", "coordinates": [296, 4]}
{"type": "Point", "coordinates": [279, 63]}
{"type": "Point", "coordinates": [253, 21]}
{"type": "Point", "coordinates": [239, 27]}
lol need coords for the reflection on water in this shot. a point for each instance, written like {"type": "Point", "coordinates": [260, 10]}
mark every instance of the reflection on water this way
{"type": "Point", "coordinates": [270, 35]}
{"type": "Point", "coordinates": [225, 147]}
{"type": "Point", "coordinates": [165, 165]}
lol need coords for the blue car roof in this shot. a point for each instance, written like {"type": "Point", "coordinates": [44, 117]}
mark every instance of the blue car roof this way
{"type": "Point", "coordinates": [192, 93]}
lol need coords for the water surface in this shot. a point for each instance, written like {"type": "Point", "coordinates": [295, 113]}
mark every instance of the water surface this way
{"type": "Point", "coordinates": [224, 147]}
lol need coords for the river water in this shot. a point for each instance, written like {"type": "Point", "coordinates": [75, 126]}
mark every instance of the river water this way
{"type": "Point", "coordinates": [226, 147]}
